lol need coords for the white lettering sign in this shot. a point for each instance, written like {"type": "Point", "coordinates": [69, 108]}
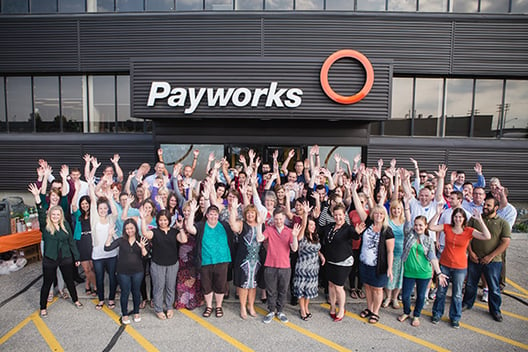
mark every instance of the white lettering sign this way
{"type": "Point", "coordinates": [190, 98]}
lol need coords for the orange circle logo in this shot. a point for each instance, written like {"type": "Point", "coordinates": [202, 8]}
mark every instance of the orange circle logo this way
{"type": "Point", "coordinates": [369, 79]}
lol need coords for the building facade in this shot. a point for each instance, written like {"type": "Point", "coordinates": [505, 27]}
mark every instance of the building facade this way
{"type": "Point", "coordinates": [449, 82]}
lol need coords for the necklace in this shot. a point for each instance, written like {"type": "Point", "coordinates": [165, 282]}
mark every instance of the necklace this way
{"type": "Point", "coordinates": [332, 234]}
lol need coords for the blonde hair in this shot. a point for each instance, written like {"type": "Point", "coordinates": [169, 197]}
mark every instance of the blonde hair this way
{"type": "Point", "coordinates": [380, 209]}
{"type": "Point", "coordinates": [50, 227]}
{"type": "Point", "coordinates": [396, 203]}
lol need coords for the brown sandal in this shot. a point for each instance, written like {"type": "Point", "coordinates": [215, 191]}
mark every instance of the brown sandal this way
{"type": "Point", "coordinates": [219, 312]}
{"type": "Point", "coordinates": [207, 312]}
{"type": "Point", "coordinates": [373, 319]}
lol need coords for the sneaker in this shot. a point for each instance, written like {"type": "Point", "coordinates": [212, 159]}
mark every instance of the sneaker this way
{"type": "Point", "coordinates": [497, 317]}
{"type": "Point", "coordinates": [125, 320]}
{"type": "Point", "coordinates": [485, 295]}
{"type": "Point", "coordinates": [282, 317]}
{"type": "Point", "coordinates": [137, 318]}
{"type": "Point", "coordinates": [455, 324]}
{"type": "Point", "coordinates": [432, 294]}
{"type": "Point", "coordinates": [435, 320]}
{"type": "Point", "coordinates": [268, 318]}
{"type": "Point", "coordinates": [426, 302]}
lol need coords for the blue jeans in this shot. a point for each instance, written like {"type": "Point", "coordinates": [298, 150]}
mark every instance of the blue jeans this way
{"type": "Point", "coordinates": [492, 272]}
{"type": "Point", "coordinates": [456, 277]}
{"type": "Point", "coordinates": [130, 283]}
{"type": "Point", "coordinates": [421, 289]}
{"type": "Point", "coordinates": [100, 266]}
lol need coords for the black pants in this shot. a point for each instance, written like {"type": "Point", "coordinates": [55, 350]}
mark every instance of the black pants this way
{"type": "Point", "coordinates": [49, 268]}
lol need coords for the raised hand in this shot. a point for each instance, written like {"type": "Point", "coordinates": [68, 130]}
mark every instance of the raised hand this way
{"type": "Point", "coordinates": [291, 153]}
{"type": "Point", "coordinates": [442, 170]}
{"type": "Point", "coordinates": [65, 171]}
{"type": "Point", "coordinates": [115, 159]}
{"type": "Point", "coordinates": [196, 152]}
{"type": "Point", "coordinates": [415, 163]}
{"type": "Point", "coordinates": [478, 168]}
{"type": "Point", "coordinates": [360, 227]}
{"type": "Point", "coordinates": [296, 230]}
{"type": "Point", "coordinates": [33, 189]}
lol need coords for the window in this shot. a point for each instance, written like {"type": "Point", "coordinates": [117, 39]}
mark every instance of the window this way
{"type": "Point", "coordinates": [400, 122]}
{"type": "Point", "coordinates": [160, 5]}
{"type": "Point", "coordinates": [308, 5]}
{"type": "Point", "coordinates": [183, 153]}
{"type": "Point", "coordinates": [279, 5]}
{"type": "Point", "coordinates": [459, 95]}
{"type": "Point", "coordinates": [43, 6]}
{"type": "Point", "coordinates": [46, 104]}
{"type": "Point", "coordinates": [19, 108]}
{"type": "Point", "coordinates": [371, 5]}
{"type": "Point", "coordinates": [125, 123]}
{"type": "Point", "coordinates": [100, 5]}
{"type": "Point", "coordinates": [494, 6]}
{"type": "Point", "coordinates": [219, 5]}
{"type": "Point", "coordinates": [74, 109]}
{"type": "Point", "coordinates": [248, 4]}
{"type": "Point", "coordinates": [519, 6]}
{"type": "Point", "coordinates": [189, 5]}
{"type": "Point", "coordinates": [72, 6]}
{"type": "Point", "coordinates": [488, 98]}
{"type": "Point", "coordinates": [102, 108]}
{"type": "Point", "coordinates": [402, 5]}
{"type": "Point", "coordinates": [3, 121]}
{"type": "Point", "coordinates": [340, 5]}
{"type": "Point", "coordinates": [15, 6]}
{"type": "Point", "coordinates": [428, 106]}
{"type": "Point", "coordinates": [432, 5]}
{"type": "Point", "coordinates": [515, 109]}
{"type": "Point", "coordinates": [464, 6]}
{"type": "Point", "coordinates": [129, 5]}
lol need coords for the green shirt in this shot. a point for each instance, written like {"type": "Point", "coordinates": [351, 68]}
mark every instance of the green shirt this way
{"type": "Point", "coordinates": [215, 248]}
{"type": "Point", "coordinates": [417, 266]}
{"type": "Point", "coordinates": [59, 241]}
{"type": "Point", "coordinates": [499, 229]}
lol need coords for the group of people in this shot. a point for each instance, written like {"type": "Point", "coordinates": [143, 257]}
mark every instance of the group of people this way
{"type": "Point", "coordinates": [273, 229]}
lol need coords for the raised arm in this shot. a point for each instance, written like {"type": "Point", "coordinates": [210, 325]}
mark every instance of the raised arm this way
{"type": "Point", "coordinates": [481, 180]}
{"type": "Point", "coordinates": [286, 162]}
{"type": "Point", "coordinates": [417, 174]}
{"type": "Point", "coordinates": [189, 225]}
{"type": "Point", "coordinates": [433, 223]}
{"type": "Point", "coordinates": [485, 234]}
{"type": "Point", "coordinates": [357, 203]}
{"type": "Point", "coordinates": [235, 224]}
{"type": "Point", "coordinates": [196, 153]}
{"type": "Point", "coordinates": [87, 161]}
{"type": "Point", "coordinates": [119, 172]}
{"type": "Point", "coordinates": [144, 230]}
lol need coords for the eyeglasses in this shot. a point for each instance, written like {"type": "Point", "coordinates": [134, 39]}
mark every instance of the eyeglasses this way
{"type": "Point", "coordinates": [423, 176]}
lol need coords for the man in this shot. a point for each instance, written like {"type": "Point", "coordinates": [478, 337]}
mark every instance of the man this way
{"type": "Point", "coordinates": [460, 178]}
{"type": "Point", "coordinates": [159, 170]}
{"type": "Point", "coordinates": [213, 242]}
{"type": "Point", "coordinates": [277, 268]}
{"type": "Point", "coordinates": [485, 258]}
{"type": "Point", "coordinates": [478, 200]}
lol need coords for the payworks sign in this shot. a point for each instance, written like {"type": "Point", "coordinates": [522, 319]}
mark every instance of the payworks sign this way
{"type": "Point", "coordinates": [259, 88]}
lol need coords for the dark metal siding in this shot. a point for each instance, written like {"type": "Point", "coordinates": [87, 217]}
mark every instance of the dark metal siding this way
{"type": "Point", "coordinates": [19, 154]}
{"type": "Point", "coordinates": [507, 160]}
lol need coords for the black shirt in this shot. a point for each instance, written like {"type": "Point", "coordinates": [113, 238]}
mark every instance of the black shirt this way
{"type": "Point", "coordinates": [164, 247]}
{"type": "Point", "coordinates": [129, 260]}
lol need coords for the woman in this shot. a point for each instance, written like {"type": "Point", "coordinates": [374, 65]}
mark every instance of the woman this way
{"type": "Point", "coordinates": [164, 266]}
{"type": "Point", "coordinates": [59, 248]}
{"type": "Point", "coordinates": [305, 280]}
{"type": "Point", "coordinates": [453, 260]}
{"type": "Point", "coordinates": [129, 267]}
{"type": "Point", "coordinates": [247, 263]}
{"type": "Point", "coordinates": [396, 223]}
{"type": "Point", "coordinates": [418, 256]}
{"type": "Point", "coordinates": [172, 206]}
{"type": "Point", "coordinates": [376, 255]}
{"type": "Point", "coordinates": [102, 223]}
{"type": "Point", "coordinates": [189, 294]}
{"type": "Point", "coordinates": [337, 249]}
{"type": "Point", "coordinates": [83, 238]}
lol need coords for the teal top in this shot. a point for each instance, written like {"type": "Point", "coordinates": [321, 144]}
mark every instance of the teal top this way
{"type": "Point", "coordinates": [397, 230]}
{"type": "Point", "coordinates": [215, 248]}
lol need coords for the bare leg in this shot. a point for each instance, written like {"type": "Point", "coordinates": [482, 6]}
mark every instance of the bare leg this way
{"type": "Point", "coordinates": [370, 298]}
{"type": "Point", "coordinates": [252, 294]}
{"type": "Point", "coordinates": [243, 295]}
{"type": "Point", "coordinates": [219, 298]}
{"type": "Point", "coordinates": [209, 299]}
{"type": "Point", "coordinates": [341, 300]}
{"type": "Point", "coordinates": [302, 304]}
{"type": "Point", "coordinates": [377, 297]}
{"type": "Point", "coordinates": [332, 296]}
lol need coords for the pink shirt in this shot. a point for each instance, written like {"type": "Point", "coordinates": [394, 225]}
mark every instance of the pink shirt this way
{"type": "Point", "coordinates": [278, 247]}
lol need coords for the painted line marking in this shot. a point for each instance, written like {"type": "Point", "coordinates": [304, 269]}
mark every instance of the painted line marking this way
{"type": "Point", "coordinates": [129, 329]}
{"type": "Point", "coordinates": [518, 287]}
{"type": "Point", "coordinates": [406, 336]}
{"type": "Point", "coordinates": [215, 330]}
{"type": "Point", "coordinates": [516, 294]}
{"type": "Point", "coordinates": [46, 333]}
{"type": "Point", "coordinates": [513, 315]}
{"type": "Point", "coordinates": [486, 333]}
{"type": "Point", "coordinates": [305, 332]}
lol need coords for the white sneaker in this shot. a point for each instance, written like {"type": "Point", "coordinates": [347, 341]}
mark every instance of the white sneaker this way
{"type": "Point", "coordinates": [137, 318]}
{"type": "Point", "coordinates": [268, 318]}
{"type": "Point", "coordinates": [282, 317]}
{"type": "Point", "coordinates": [485, 295]}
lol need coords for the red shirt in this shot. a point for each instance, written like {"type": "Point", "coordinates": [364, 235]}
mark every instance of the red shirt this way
{"type": "Point", "coordinates": [454, 254]}
{"type": "Point", "coordinates": [278, 255]}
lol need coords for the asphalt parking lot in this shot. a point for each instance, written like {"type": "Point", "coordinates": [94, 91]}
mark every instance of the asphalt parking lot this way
{"type": "Point", "coordinates": [69, 329]}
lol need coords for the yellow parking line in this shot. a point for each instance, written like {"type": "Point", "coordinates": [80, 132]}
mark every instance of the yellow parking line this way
{"type": "Point", "coordinates": [508, 281]}
{"type": "Point", "coordinates": [129, 329]}
{"type": "Point", "coordinates": [487, 333]}
{"type": "Point", "coordinates": [515, 294]}
{"type": "Point", "coordinates": [216, 331]}
{"type": "Point", "coordinates": [513, 315]}
{"type": "Point", "coordinates": [409, 337]}
{"type": "Point", "coordinates": [46, 333]}
{"type": "Point", "coordinates": [308, 333]}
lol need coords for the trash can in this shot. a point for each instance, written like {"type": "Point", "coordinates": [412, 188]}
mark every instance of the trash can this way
{"type": "Point", "coordinates": [5, 218]}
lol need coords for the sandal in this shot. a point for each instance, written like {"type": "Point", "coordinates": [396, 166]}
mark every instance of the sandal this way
{"type": "Point", "coordinates": [219, 312]}
{"type": "Point", "coordinates": [99, 305]}
{"type": "Point", "coordinates": [78, 305]}
{"type": "Point", "coordinates": [207, 312]}
{"type": "Point", "coordinates": [373, 319]}
{"type": "Point", "coordinates": [64, 294]}
{"type": "Point", "coordinates": [403, 317]}
{"type": "Point", "coordinates": [50, 297]}
{"type": "Point", "coordinates": [309, 315]}
{"type": "Point", "coordinates": [94, 293]}
{"type": "Point", "coordinates": [353, 294]}
{"type": "Point", "coordinates": [111, 304]}
{"type": "Point", "coordinates": [415, 321]}
{"type": "Point", "coordinates": [43, 313]}
{"type": "Point", "coordinates": [170, 314]}
{"type": "Point", "coordinates": [161, 316]}
{"type": "Point", "coordinates": [143, 304]}
{"type": "Point", "coordinates": [386, 302]}
{"type": "Point", "coordinates": [361, 294]}
{"type": "Point", "coordinates": [88, 291]}
{"type": "Point", "coordinates": [365, 313]}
